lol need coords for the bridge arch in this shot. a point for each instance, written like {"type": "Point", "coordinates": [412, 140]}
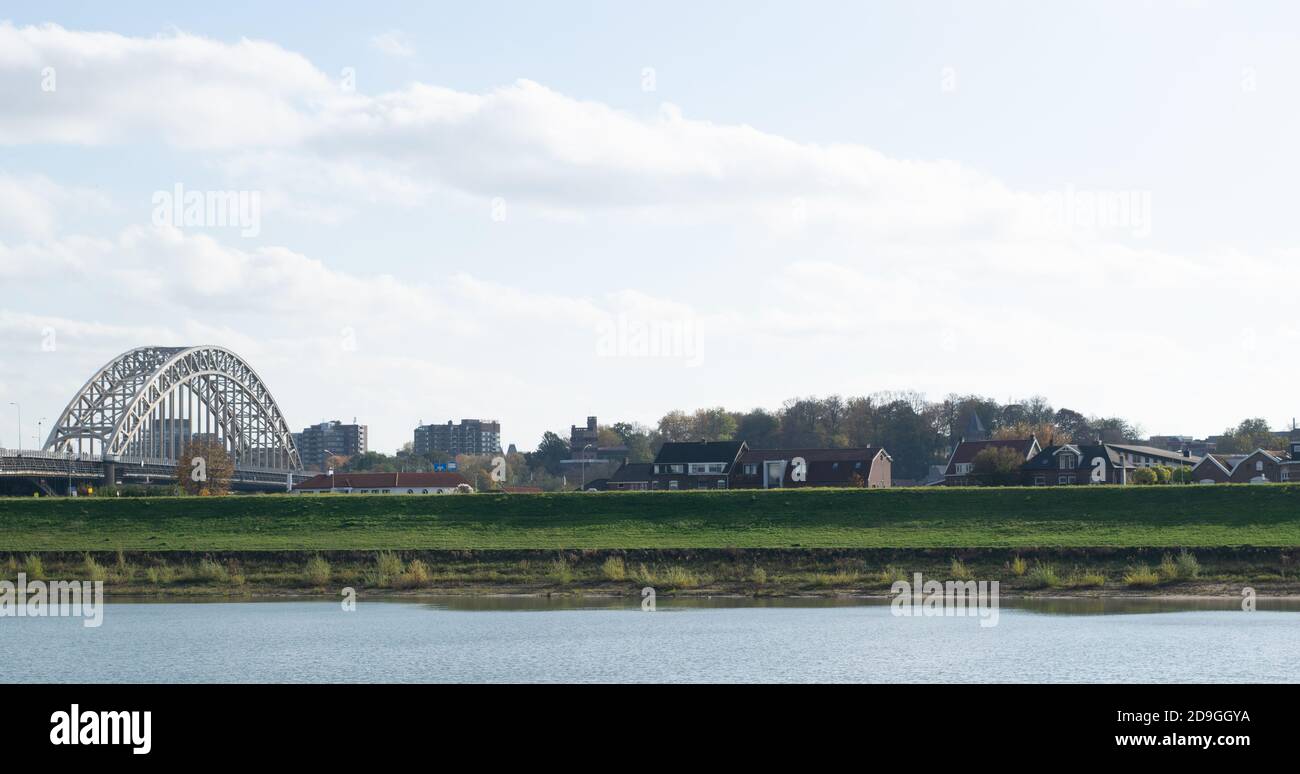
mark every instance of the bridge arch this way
{"type": "Point", "coordinates": [147, 403]}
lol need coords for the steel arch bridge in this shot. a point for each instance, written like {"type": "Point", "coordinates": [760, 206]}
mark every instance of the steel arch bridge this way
{"type": "Point", "coordinates": [146, 404]}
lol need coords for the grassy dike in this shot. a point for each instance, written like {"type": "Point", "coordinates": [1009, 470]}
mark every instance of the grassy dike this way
{"type": "Point", "coordinates": [1086, 540]}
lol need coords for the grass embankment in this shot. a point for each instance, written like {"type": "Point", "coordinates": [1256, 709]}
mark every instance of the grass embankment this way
{"type": "Point", "coordinates": [1062, 517]}
{"type": "Point", "coordinates": [1083, 540]}
{"type": "Point", "coordinates": [760, 572]}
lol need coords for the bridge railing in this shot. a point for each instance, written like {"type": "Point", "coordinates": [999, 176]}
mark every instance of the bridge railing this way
{"type": "Point", "coordinates": [42, 454]}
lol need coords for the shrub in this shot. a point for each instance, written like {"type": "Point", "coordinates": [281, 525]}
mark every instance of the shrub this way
{"type": "Point", "coordinates": [160, 575]}
{"type": "Point", "coordinates": [837, 578]}
{"type": "Point", "coordinates": [93, 570]}
{"type": "Point", "coordinates": [388, 569]}
{"type": "Point", "coordinates": [1188, 566]}
{"type": "Point", "coordinates": [677, 577]}
{"type": "Point", "coordinates": [212, 571]}
{"type": "Point", "coordinates": [959, 571]}
{"type": "Point", "coordinates": [560, 571]}
{"type": "Point", "coordinates": [1043, 576]}
{"type": "Point", "coordinates": [1143, 477]}
{"type": "Point", "coordinates": [614, 569]}
{"type": "Point", "coordinates": [1086, 578]}
{"type": "Point", "coordinates": [416, 575]}
{"type": "Point", "coordinates": [892, 574]}
{"type": "Point", "coordinates": [758, 576]}
{"type": "Point", "coordinates": [1168, 570]}
{"type": "Point", "coordinates": [123, 572]}
{"type": "Point", "coordinates": [34, 567]}
{"type": "Point", "coordinates": [317, 571]}
{"type": "Point", "coordinates": [1141, 575]}
{"type": "Point", "coordinates": [1019, 566]}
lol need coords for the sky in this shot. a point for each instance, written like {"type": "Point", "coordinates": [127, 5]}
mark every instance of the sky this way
{"type": "Point", "coordinates": [538, 212]}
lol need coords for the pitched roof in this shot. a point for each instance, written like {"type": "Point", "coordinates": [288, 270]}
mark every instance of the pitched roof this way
{"type": "Point", "coordinates": [810, 455]}
{"type": "Point", "coordinates": [678, 452]}
{"type": "Point", "coordinates": [966, 450]}
{"type": "Point", "coordinates": [824, 466]}
{"type": "Point", "coordinates": [633, 471]}
{"type": "Point", "coordinates": [1154, 451]}
{"type": "Point", "coordinates": [975, 428]}
{"type": "Point", "coordinates": [1046, 459]}
{"type": "Point", "coordinates": [382, 481]}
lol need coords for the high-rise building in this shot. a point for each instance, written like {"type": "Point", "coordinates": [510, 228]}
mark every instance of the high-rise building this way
{"type": "Point", "coordinates": [318, 443]}
{"type": "Point", "coordinates": [469, 436]}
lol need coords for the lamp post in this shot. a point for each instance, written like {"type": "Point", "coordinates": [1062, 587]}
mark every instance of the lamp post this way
{"type": "Point", "coordinates": [329, 454]}
{"type": "Point", "coordinates": [583, 488]}
{"type": "Point", "coordinates": [20, 426]}
{"type": "Point", "coordinates": [39, 423]}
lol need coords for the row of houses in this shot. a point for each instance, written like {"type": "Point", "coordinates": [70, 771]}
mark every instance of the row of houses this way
{"type": "Point", "coordinates": [734, 465]}
{"type": "Point", "coordinates": [1114, 463]}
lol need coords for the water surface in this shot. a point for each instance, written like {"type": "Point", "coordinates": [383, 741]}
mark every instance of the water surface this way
{"type": "Point", "coordinates": [475, 639]}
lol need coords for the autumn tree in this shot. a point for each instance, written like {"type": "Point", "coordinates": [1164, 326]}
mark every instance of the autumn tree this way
{"type": "Point", "coordinates": [1248, 436]}
{"type": "Point", "coordinates": [997, 466]}
{"type": "Point", "coordinates": [204, 468]}
{"type": "Point", "coordinates": [1045, 432]}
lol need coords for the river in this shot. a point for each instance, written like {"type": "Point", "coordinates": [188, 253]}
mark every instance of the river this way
{"type": "Point", "coordinates": [538, 640]}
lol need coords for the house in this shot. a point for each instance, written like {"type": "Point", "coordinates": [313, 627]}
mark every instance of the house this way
{"type": "Point", "coordinates": [1216, 468]}
{"type": "Point", "coordinates": [631, 477]}
{"type": "Point", "coordinates": [1259, 467]}
{"type": "Point", "coordinates": [1097, 463]}
{"type": "Point", "coordinates": [961, 461]}
{"type": "Point", "coordinates": [868, 466]}
{"type": "Point", "coordinates": [695, 464]}
{"type": "Point", "coordinates": [384, 483]}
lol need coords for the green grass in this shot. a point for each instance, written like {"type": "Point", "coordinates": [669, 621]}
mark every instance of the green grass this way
{"type": "Point", "coordinates": [1085, 516]}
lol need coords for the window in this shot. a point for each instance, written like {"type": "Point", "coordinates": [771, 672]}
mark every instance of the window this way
{"type": "Point", "coordinates": [722, 483]}
{"type": "Point", "coordinates": [1069, 461]}
{"type": "Point", "coordinates": [1259, 466]}
{"type": "Point", "coordinates": [751, 468]}
{"type": "Point", "coordinates": [1066, 479]}
{"type": "Point", "coordinates": [1040, 480]}
{"type": "Point", "coordinates": [672, 484]}
{"type": "Point", "coordinates": [705, 468]}
{"type": "Point", "coordinates": [964, 468]}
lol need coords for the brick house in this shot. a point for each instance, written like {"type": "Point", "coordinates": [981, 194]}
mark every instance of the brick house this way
{"type": "Point", "coordinates": [695, 464]}
{"type": "Point", "coordinates": [1097, 463]}
{"type": "Point", "coordinates": [868, 466]}
{"type": "Point", "coordinates": [1216, 468]}
{"type": "Point", "coordinates": [631, 477]}
{"type": "Point", "coordinates": [958, 470]}
{"type": "Point", "coordinates": [384, 483]}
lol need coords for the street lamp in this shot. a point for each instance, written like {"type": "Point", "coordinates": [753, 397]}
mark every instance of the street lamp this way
{"type": "Point", "coordinates": [20, 426]}
{"type": "Point", "coordinates": [583, 488]}
{"type": "Point", "coordinates": [39, 423]}
{"type": "Point", "coordinates": [329, 454]}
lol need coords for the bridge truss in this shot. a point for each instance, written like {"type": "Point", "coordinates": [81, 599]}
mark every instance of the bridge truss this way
{"type": "Point", "coordinates": [148, 403]}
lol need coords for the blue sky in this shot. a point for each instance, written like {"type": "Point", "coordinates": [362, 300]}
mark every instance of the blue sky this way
{"type": "Point", "coordinates": [829, 197]}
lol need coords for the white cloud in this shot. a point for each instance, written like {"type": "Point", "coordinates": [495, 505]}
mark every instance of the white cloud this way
{"type": "Point", "coordinates": [853, 271]}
